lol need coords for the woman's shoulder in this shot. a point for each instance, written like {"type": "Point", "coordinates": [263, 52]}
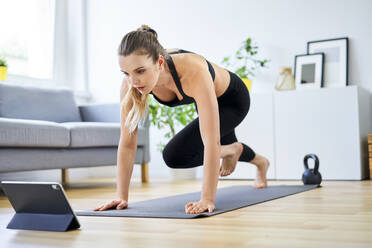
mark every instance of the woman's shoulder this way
{"type": "Point", "coordinates": [189, 66]}
{"type": "Point", "coordinates": [188, 63]}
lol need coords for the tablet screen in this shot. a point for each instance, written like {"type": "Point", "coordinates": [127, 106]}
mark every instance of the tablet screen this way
{"type": "Point", "coordinates": [37, 197]}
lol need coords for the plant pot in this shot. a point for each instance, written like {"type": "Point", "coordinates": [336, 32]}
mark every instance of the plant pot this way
{"type": "Point", "coordinates": [3, 72]}
{"type": "Point", "coordinates": [183, 174]}
{"type": "Point", "coordinates": [248, 83]}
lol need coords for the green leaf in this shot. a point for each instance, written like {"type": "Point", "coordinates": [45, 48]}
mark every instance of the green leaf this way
{"type": "Point", "coordinates": [245, 61]}
{"type": "Point", "coordinates": [3, 61]}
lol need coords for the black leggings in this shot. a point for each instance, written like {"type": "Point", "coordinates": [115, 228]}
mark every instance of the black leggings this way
{"type": "Point", "coordinates": [186, 148]}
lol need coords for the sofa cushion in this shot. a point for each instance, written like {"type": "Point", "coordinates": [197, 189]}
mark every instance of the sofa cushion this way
{"type": "Point", "coordinates": [28, 102]}
{"type": "Point", "coordinates": [100, 112]}
{"type": "Point", "coordinates": [93, 134]}
{"type": "Point", "coordinates": [32, 133]}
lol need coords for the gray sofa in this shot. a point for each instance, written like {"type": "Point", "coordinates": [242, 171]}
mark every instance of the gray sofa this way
{"type": "Point", "coordinates": [42, 128]}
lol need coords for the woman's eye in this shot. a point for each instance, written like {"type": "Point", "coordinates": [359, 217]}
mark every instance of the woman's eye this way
{"type": "Point", "coordinates": [141, 71]}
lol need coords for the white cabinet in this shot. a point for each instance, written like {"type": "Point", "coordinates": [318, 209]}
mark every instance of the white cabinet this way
{"type": "Point", "coordinates": [284, 126]}
{"type": "Point", "coordinates": [330, 122]}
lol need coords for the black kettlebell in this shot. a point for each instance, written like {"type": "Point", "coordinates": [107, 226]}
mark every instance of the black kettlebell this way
{"type": "Point", "coordinates": [311, 176]}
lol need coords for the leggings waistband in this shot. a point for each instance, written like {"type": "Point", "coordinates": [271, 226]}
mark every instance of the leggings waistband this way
{"type": "Point", "coordinates": [236, 86]}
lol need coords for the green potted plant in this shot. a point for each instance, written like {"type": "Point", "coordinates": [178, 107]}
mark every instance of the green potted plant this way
{"type": "Point", "coordinates": [3, 68]}
{"type": "Point", "coordinates": [245, 62]}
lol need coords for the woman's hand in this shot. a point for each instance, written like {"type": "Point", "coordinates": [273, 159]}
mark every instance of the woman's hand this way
{"type": "Point", "coordinates": [199, 207]}
{"type": "Point", "coordinates": [116, 203]}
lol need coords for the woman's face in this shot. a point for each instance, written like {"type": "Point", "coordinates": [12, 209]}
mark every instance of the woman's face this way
{"type": "Point", "coordinates": [140, 71]}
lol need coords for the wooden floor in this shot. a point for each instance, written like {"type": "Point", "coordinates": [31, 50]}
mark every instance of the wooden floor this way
{"type": "Point", "coordinates": [339, 214]}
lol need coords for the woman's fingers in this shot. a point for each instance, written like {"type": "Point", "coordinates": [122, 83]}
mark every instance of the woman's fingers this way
{"type": "Point", "coordinates": [194, 208]}
{"type": "Point", "coordinates": [122, 205]}
{"type": "Point", "coordinates": [190, 204]}
{"type": "Point", "coordinates": [99, 208]}
{"type": "Point", "coordinates": [191, 209]}
{"type": "Point", "coordinates": [108, 205]}
{"type": "Point", "coordinates": [111, 204]}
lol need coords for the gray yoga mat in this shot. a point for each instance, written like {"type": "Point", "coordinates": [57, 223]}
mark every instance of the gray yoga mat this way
{"type": "Point", "coordinates": [227, 199]}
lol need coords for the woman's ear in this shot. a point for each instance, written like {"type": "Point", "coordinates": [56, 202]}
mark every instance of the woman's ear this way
{"type": "Point", "coordinates": [161, 61]}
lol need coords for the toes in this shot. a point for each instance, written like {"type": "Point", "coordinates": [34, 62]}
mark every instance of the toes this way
{"type": "Point", "coordinates": [259, 185]}
{"type": "Point", "coordinates": [226, 173]}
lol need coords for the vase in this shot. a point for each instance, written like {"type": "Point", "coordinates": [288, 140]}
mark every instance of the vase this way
{"type": "Point", "coordinates": [286, 80]}
{"type": "Point", "coordinates": [183, 174]}
{"type": "Point", "coordinates": [248, 83]}
{"type": "Point", "coordinates": [3, 72]}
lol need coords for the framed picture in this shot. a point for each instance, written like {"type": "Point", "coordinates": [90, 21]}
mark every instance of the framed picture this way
{"type": "Point", "coordinates": [335, 60]}
{"type": "Point", "coordinates": [308, 70]}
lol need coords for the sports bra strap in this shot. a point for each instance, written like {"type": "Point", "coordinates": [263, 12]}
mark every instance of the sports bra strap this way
{"type": "Point", "coordinates": [180, 51]}
{"type": "Point", "coordinates": [210, 67]}
{"type": "Point", "coordinates": [173, 71]}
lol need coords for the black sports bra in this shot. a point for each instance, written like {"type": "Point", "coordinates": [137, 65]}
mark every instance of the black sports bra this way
{"type": "Point", "coordinates": [186, 99]}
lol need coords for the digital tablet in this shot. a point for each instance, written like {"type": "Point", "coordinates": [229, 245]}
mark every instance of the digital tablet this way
{"type": "Point", "coordinates": [39, 206]}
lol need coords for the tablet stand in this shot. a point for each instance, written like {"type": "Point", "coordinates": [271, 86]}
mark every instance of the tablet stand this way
{"type": "Point", "coordinates": [43, 222]}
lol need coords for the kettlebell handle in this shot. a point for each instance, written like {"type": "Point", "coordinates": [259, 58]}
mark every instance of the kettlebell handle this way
{"type": "Point", "coordinates": [316, 160]}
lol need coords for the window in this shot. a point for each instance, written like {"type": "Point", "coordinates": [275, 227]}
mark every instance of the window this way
{"type": "Point", "coordinates": [27, 37]}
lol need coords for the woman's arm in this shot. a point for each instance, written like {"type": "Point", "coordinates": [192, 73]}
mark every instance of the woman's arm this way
{"type": "Point", "coordinates": [210, 172]}
{"type": "Point", "coordinates": [205, 97]}
{"type": "Point", "coordinates": [125, 163]}
{"type": "Point", "coordinates": [125, 160]}
{"type": "Point", "coordinates": [209, 124]}
{"type": "Point", "coordinates": [126, 150]}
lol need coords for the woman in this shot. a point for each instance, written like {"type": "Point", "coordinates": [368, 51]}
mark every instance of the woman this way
{"type": "Point", "coordinates": [221, 100]}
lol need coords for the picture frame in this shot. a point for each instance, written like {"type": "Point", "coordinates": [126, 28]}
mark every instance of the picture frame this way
{"type": "Point", "coordinates": [336, 63]}
{"type": "Point", "coordinates": [308, 71]}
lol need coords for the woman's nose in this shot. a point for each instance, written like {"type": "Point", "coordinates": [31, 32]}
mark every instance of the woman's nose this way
{"type": "Point", "coordinates": [135, 81]}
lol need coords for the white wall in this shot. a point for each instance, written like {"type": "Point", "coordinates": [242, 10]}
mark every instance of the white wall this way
{"type": "Point", "coordinates": [216, 28]}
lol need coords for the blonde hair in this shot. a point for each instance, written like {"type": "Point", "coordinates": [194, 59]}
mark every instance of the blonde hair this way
{"type": "Point", "coordinates": [142, 41]}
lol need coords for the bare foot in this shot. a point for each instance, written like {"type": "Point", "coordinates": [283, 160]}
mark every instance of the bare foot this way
{"type": "Point", "coordinates": [262, 164]}
{"type": "Point", "coordinates": [229, 161]}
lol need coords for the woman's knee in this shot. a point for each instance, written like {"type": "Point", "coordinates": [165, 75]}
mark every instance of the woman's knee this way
{"type": "Point", "coordinates": [180, 159]}
{"type": "Point", "coordinates": [169, 157]}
